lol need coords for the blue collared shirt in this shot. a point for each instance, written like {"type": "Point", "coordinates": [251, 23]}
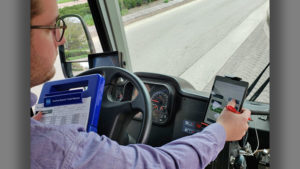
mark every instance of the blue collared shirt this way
{"type": "Point", "coordinates": [69, 147]}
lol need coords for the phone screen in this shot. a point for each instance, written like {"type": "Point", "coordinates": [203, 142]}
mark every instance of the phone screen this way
{"type": "Point", "coordinates": [223, 91]}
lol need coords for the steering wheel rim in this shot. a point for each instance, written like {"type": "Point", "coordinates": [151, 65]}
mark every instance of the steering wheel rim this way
{"type": "Point", "coordinates": [115, 116]}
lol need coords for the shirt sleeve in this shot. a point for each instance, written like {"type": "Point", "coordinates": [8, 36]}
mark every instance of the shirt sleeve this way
{"type": "Point", "coordinates": [89, 150]}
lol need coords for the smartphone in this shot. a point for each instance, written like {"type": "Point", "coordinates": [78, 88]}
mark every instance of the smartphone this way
{"type": "Point", "coordinates": [224, 90]}
{"type": "Point", "coordinates": [104, 59]}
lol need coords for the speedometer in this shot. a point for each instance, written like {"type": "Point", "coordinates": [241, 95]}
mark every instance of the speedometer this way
{"type": "Point", "coordinates": [161, 99]}
{"type": "Point", "coordinates": [159, 107]}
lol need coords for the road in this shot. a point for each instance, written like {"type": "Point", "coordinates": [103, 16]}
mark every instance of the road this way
{"type": "Point", "coordinates": [200, 32]}
{"type": "Point", "coordinates": [189, 31]}
{"type": "Point", "coordinates": [182, 41]}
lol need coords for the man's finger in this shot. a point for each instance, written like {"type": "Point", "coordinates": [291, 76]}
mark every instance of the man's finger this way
{"type": "Point", "coordinates": [231, 103]}
{"type": "Point", "coordinates": [246, 113]}
{"type": "Point", "coordinates": [38, 116]}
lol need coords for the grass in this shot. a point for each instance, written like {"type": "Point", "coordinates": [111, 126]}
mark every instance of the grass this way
{"type": "Point", "coordinates": [77, 57]}
{"type": "Point", "coordinates": [64, 1]}
{"type": "Point", "coordinates": [82, 9]}
{"type": "Point", "coordinates": [124, 11]}
{"type": "Point", "coordinates": [76, 67]}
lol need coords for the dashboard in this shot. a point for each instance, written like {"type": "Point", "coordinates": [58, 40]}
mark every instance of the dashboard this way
{"type": "Point", "coordinates": [177, 103]}
{"type": "Point", "coordinates": [179, 110]}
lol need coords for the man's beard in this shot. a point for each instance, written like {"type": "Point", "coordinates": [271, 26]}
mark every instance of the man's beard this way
{"type": "Point", "coordinates": [42, 78]}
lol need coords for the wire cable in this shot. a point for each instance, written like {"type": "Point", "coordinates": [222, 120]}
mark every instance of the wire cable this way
{"type": "Point", "coordinates": [256, 150]}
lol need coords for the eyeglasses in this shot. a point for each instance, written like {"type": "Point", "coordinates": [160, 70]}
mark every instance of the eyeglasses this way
{"type": "Point", "coordinates": [59, 27]}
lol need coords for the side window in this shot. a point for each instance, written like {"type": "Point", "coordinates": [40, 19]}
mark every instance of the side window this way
{"type": "Point", "coordinates": [76, 45]}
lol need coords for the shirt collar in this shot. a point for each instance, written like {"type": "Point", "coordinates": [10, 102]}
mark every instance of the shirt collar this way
{"type": "Point", "coordinates": [33, 99]}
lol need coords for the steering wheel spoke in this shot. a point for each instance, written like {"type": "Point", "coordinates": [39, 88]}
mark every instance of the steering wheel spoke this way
{"type": "Point", "coordinates": [115, 116]}
{"type": "Point", "coordinates": [138, 105]}
{"type": "Point", "coordinates": [118, 107]}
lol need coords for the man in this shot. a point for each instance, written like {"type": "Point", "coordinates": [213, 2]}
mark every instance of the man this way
{"type": "Point", "coordinates": [71, 147]}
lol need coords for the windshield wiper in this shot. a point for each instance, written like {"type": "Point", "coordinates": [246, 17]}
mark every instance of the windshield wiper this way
{"type": "Point", "coordinates": [261, 88]}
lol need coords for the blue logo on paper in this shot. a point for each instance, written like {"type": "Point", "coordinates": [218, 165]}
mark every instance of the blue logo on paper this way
{"type": "Point", "coordinates": [48, 101]}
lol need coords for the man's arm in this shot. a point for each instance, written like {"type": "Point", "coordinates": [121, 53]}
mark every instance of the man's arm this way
{"type": "Point", "coordinates": [191, 152]}
{"type": "Point", "coordinates": [71, 147]}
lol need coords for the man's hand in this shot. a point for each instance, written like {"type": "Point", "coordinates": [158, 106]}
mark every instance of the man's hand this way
{"type": "Point", "coordinates": [38, 116]}
{"type": "Point", "coordinates": [234, 124]}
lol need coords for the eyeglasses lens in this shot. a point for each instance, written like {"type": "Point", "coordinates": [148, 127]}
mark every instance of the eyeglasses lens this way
{"type": "Point", "coordinates": [59, 30]}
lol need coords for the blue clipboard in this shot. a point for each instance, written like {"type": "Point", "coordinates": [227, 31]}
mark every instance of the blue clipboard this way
{"type": "Point", "coordinates": [63, 92]}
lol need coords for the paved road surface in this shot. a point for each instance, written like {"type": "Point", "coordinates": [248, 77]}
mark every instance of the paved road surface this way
{"type": "Point", "coordinates": [181, 42]}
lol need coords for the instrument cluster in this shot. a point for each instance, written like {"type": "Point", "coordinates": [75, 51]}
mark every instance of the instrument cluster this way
{"type": "Point", "coordinates": [161, 98]}
{"type": "Point", "coordinates": [161, 102]}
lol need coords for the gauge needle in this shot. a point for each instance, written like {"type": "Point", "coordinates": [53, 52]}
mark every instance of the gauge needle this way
{"type": "Point", "coordinates": [155, 101]}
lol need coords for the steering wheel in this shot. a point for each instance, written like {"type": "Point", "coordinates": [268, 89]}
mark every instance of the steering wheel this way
{"type": "Point", "coordinates": [115, 116]}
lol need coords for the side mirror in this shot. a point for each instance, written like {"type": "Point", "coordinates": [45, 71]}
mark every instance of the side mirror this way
{"type": "Point", "coordinates": [74, 53]}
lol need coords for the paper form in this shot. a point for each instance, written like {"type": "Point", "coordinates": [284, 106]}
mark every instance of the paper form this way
{"type": "Point", "coordinates": [66, 114]}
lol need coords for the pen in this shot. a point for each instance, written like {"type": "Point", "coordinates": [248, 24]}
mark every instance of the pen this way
{"type": "Point", "coordinates": [232, 109]}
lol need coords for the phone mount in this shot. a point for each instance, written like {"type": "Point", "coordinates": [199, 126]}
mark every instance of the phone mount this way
{"type": "Point", "coordinates": [233, 78]}
{"type": "Point", "coordinates": [243, 141]}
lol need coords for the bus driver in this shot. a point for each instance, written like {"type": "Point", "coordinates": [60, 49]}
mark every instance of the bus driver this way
{"type": "Point", "coordinates": [71, 147]}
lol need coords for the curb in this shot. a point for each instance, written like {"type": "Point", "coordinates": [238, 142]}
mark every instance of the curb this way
{"type": "Point", "coordinates": [131, 18]}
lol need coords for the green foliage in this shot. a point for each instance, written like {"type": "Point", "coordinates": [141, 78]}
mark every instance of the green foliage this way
{"type": "Point", "coordinates": [139, 2]}
{"type": "Point", "coordinates": [128, 4]}
{"type": "Point", "coordinates": [124, 11]}
{"type": "Point", "coordinates": [88, 19]}
{"type": "Point", "coordinates": [82, 9]}
{"type": "Point", "coordinates": [77, 57]}
{"type": "Point", "coordinates": [75, 35]}
{"type": "Point", "coordinates": [76, 54]}
{"type": "Point", "coordinates": [77, 67]}
{"type": "Point", "coordinates": [76, 45]}
{"type": "Point", "coordinates": [166, 1]}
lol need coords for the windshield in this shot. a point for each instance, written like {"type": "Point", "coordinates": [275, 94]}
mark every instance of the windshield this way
{"type": "Point", "coordinates": [203, 38]}
{"type": "Point", "coordinates": [191, 39]}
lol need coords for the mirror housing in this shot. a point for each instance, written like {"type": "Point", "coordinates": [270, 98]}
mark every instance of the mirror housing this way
{"type": "Point", "coordinates": [78, 44]}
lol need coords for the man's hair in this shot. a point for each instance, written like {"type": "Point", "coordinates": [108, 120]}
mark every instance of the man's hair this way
{"type": "Point", "coordinates": [35, 9]}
